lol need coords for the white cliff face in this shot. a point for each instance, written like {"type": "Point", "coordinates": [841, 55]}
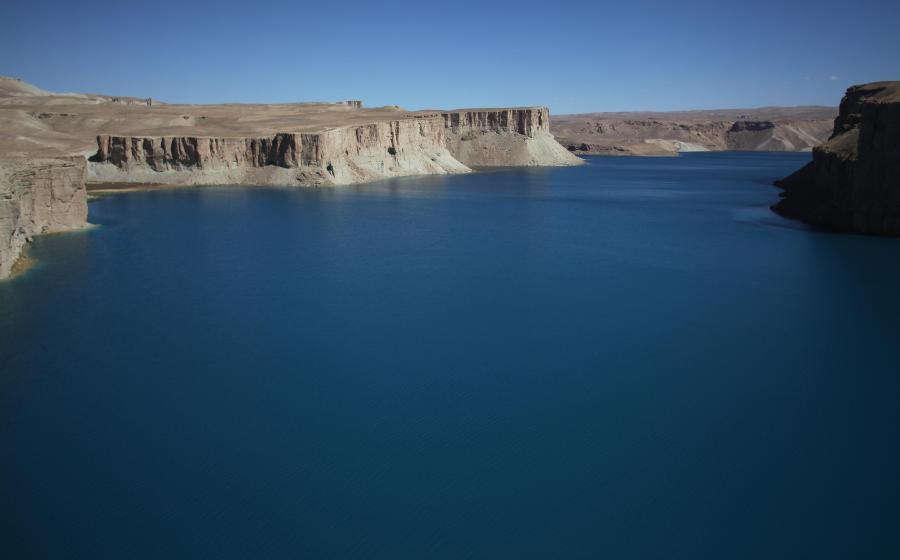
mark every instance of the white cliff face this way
{"type": "Point", "coordinates": [505, 137]}
{"type": "Point", "coordinates": [419, 144]}
{"type": "Point", "coordinates": [38, 195]}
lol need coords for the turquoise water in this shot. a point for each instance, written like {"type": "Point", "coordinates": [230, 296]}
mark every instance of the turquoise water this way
{"type": "Point", "coordinates": [631, 359]}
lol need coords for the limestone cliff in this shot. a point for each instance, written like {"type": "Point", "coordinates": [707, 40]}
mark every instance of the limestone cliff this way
{"type": "Point", "coordinates": [417, 144]}
{"type": "Point", "coordinates": [38, 195]}
{"type": "Point", "coordinates": [342, 155]}
{"type": "Point", "coordinates": [853, 181]}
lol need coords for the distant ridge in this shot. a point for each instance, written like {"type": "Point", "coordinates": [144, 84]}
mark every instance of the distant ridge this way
{"type": "Point", "coordinates": [653, 133]}
{"type": "Point", "coordinates": [16, 87]}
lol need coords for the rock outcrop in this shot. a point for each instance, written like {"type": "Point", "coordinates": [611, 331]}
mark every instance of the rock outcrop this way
{"type": "Point", "coordinates": [853, 182]}
{"type": "Point", "coordinates": [38, 195]}
{"type": "Point", "coordinates": [770, 129]}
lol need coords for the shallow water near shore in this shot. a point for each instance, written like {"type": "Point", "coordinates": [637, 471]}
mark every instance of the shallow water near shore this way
{"type": "Point", "coordinates": [628, 359]}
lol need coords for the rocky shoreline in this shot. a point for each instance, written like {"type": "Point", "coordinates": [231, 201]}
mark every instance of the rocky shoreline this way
{"type": "Point", "coordinates": [853, 182]}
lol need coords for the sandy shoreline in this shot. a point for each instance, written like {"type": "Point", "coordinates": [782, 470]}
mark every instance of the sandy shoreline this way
{"type": "Point", "coordinates": [97, 190]}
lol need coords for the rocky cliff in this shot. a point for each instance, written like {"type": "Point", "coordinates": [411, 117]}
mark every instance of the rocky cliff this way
{"type": "Point", "coordinates": [508, 137]}
{"type": "Point", "coordinates": [853, 181]}
{"type": "Point", "coordinates": [342, 155]}
{"type": "Point", "coordinates": [416, 144]}
{"type": "Point", "coordinates": [38, 195]}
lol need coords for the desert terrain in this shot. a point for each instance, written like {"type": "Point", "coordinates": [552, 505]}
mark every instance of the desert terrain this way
{"type": "Point", "coordinates": [667, 133]}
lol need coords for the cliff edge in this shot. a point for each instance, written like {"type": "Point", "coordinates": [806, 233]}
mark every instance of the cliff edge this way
{"type": "Point", "coordinates": [853, 182]}
{"type": "Point", "coordinates": [38, 195]}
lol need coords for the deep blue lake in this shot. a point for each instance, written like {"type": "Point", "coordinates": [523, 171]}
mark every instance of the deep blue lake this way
{"type": "Point", "coordinates": [630, 359]}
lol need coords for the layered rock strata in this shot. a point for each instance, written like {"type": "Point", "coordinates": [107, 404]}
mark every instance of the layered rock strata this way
{"type": "Point", "coordinates": [853, 182]}
{"type": "Point", "coordinates": [510, 137]}
{"type": "Point", "coordinates": [418, 144]}
{"type": "Point", "coordinates": [37, 196]}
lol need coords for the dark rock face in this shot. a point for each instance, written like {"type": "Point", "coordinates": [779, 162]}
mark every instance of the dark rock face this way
{"type": "Point", "coordinates": [189, 151]}
{"type": "Point", "coordinates": [853, 182]}
{"type": "Point", "coordinates": [752, 126]}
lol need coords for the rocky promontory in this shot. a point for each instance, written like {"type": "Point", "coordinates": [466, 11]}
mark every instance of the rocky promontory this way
{"type": "Point", "coordinates": [408, 143]}
{"type": "Point", "coordinates": [52, 145]}
{"type": "Point", "coordinates": [668, 133]}
{"type": "Point", "coordinates": [853, 182]}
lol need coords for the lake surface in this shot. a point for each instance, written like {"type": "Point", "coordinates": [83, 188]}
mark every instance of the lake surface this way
{"type": "Point", "coordinates": [631, 359]}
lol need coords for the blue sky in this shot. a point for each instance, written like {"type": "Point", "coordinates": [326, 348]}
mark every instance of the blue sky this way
{"type": "Point", "coordinates": [574, 57]}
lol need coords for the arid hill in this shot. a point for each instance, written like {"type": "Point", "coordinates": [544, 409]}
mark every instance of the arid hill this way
{"type": "Point", "coordinates": [656, 134]}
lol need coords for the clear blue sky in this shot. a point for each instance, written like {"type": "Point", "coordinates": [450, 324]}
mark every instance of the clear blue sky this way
{"type": "Point", "coordinates": [574, 57]}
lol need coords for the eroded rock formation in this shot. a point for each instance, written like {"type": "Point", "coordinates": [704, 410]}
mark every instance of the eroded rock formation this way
{"type": "Point", "coordinates": [853, 181]}
{"type": "Point", "coordinates": [510, 137]}
{"type": "Point", "coordinates": [418, 143]}
{"type": "Point", "coordinates": [38, 195]}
